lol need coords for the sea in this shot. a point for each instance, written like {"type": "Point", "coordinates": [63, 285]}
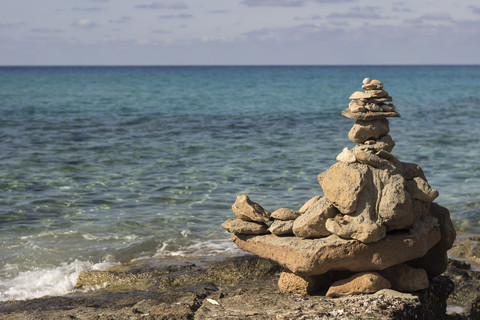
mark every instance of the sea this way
{"type": "Point", "coordinates": [104, 165]}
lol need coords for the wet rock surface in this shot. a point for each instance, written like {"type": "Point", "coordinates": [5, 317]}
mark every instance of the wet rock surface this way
{"type": "Point", "coordinates": [242, 287]}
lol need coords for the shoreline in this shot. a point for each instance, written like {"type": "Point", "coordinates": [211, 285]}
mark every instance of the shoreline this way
{"type": "Point", "coordinates": [211, 287]}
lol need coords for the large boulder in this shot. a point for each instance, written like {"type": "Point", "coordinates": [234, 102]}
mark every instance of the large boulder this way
{"type": "Point", "coordinates": [365, 130]}
{"type": "Point", "coordinates": [318, 256]}
{"type": "Point", "coordinates": [365, 282]}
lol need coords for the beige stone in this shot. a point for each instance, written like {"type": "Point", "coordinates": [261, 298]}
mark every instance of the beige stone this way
{"type": "Point", "coordinates": [245, 227]}
{"type": "Point", "coordinates": [373, 107]}
{"type": "Point", "coordinates": [412, 170]}
{"type": "Point", "coordinates": [372, 86]}
{"type": "Point", "coordinates": [311, 224]}
{"type": "Point", "coordinates": [405, 278]}
{"type": "Point", "coordinates": [295, 284]}
{"type": "Point", "coordinates": [346, 156]}
{"type": "Point", "coordinates": [284, 214]}
{"type": "Point", "coordinates": [395, 207]}
{"type": "Point", "coordinates": [356, 227]}
{"type": "Point", "coordinates": [281, 228]}
{"type": "Point", "coordinates": [341, 184]}
{"type": "Point", "coordinates": [309, 203]}
{"type": "Point", "coordinates": [384, 154]}
{"type": "Point", "coordinates": [376, 93]}
{"type": "Point", "coordinates": [365, 130]}
{"type": "Point", "coordinates": [377, 100]}
{"type": "Point", "coordinates": [354, 106]}
{"type": "Point", "coordinates": [317, 256]}
{"type": "Point", "coordinates": [369, 158]}
{"type": "Point", "coordinates": [420, 189]}
{"type": "Point", "coordinates": [247, 210]}
{"type": "Point", "coordinates": [436, 260]}
{"type": "Point", "coordinates": [366, 80]}
{"type": "Point", "coordinates": [365, 282]}
{"type": "Point", "coordinates": [359, 95]}
{"type": "Point", "coordinates": [384, 143]}
{"type": "Point", "coordinates": [369, 115]}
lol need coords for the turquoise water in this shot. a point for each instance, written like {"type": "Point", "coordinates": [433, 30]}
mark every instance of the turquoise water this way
{"type": "Point", "coordinates": [100, 165]}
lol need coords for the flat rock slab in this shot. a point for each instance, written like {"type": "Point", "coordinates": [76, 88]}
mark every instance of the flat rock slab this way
{"type": "Point", "coordinates": [307, 257]}
{"type": "Point", "coordinates": [369, 115]}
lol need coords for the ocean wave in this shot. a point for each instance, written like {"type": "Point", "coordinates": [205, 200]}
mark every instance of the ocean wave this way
{"type": "Point", "coordinates": [201, 248]}
{"type": "Point", "coordinates": [37, 283]}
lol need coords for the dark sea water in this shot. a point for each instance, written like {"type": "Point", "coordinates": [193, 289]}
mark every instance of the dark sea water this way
{"type": "Point", "coordinates": [101, 165]}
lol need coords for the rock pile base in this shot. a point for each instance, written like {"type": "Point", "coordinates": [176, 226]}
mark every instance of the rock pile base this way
{"type": "Point", "coordinates": [376, 227]}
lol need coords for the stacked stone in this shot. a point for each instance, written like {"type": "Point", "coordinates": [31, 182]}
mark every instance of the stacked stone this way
{"type": "Point", "coordinates": [375, 227]}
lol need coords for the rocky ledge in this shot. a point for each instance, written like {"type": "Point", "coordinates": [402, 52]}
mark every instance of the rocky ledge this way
{"type": "Point", "coordinates": [245, 287]}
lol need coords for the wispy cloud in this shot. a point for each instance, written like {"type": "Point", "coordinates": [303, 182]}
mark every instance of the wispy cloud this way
{"type": "Point", "coordinates": [46, 30]}
{"type": "Point", "coordinates": [219, 11]}
{"type": "Point", "coordinates": [273, 3]}
{"type": "Point", "coordinates": [11, 25]}
{"type": "Point", "coordinates": [163, 5]}
{"type": "Point", "coordinates": [178, 16]}
{"type": "Point", "coordinates": [123, 19]}
{"type": "Point", "coordinates": [437, 16]}
{"type": "Point", "coordinates": [87, 9]}
{"type": "Point", "coordinates": [84, 23]}
{"type": "Point", "coordinates": [368, 12]}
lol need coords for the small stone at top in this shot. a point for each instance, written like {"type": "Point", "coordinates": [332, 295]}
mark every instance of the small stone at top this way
{"type": "Point", "coordinates": [366, 80]}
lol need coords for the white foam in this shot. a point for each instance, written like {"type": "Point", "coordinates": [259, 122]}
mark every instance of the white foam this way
{"type": "Point", "coordinates": [41, 282]}
{"type": "Point", "coordinates": [203, 248]}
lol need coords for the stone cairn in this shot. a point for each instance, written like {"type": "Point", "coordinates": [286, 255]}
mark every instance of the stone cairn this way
{"type": "Point", "coordinates": [376, 226]}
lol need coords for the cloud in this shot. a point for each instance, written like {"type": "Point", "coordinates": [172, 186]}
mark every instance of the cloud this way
{"type": "Point", "coordinates": [312, 17]}
{"type": "Point", "coordinates": [178, 16]}
{"type": "Point", "coordinates": [87, 9]}
{"type": "Point", "coordinates": [162, 31]}
{"type": "Point", "coordinates": [398, 9]}
{"type": "Point", "coordinates": [368, 12]}
{"type": "Point", "coordinates": [11, 25]}
{"type": "Point", "coordinates": [123, 19]}
{"type": "Point", "coordinates": [273, 3]}
{"type": "Point", "coordinates": [475, 9]}
{"type": "Point", "coordinates": [437, 16]}
{"type": "Point", "coordinates": [163, 5]}
{"type": "Point", "coordinates": [219, 11]}
{"type": "Point", "coordinates": [46, 30]}
{"type": "Point", "coordinates": [84, 24]}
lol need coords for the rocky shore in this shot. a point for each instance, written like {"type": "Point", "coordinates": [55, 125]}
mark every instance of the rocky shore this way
{"type": "Point", "coordinates": [245, 287]}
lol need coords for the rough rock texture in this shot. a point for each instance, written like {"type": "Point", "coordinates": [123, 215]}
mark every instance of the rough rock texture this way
{"type": "Point", "coordinates": [245, 227]}
{"type": "Point", "coordinates": [291, 283]}
{"type": "Point", "coordinates": [406, 278]}
{"type": "Point", "coordinates": [281, 228]}
{"type": "Point", "coordinates": [436, 260]}
{"type": "Point", "coordinates": [312, 222]}
{"type": "Point", "coordinates": [247, 210]}
{"type": "Point", "coordinates": [309, 203]}
{"type": "Point", "coordinates": [364, 130]}
{"type": "Point", "coordinates": [284, 214]}
{"type": "Point", "coordinates": [318, 256]}
{"type": "Point", "coordinates": [365, 282]}
{"type": "Point", "coordinates": [347, 156]}
{"type": "Point", "coordinates": [341, 184]}
{"type": "Point", "coordinates": [369, 115]}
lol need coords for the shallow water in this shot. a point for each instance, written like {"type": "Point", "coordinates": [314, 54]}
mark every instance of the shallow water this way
{"type": "Point", "coordinates": [100, 165]}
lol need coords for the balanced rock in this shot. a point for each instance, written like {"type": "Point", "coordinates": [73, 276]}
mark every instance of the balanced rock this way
{"type": "Point", "coordinates": [312, 222]}
{"type": "Point", "coordinates": [247, 210]}
{"type": "Point", "coordinates": [292, 283]}
{"type": "Point", "coordinates": [365, 282]}
{"type": "Point", "coordinates": [346, 156]}
{"type": "Point", "coordinates": [365, 130]}
{"type": "Point", "coordinates": [281, 228]}
{"type": "Point", "coordinates": [284, 214]}
{"type": "Point", "coordinates": [244, 227]}
{"type": "Point", "coordinates": [309, 203]}
{"type": "Point", "coordinates": [405, 278]}
{"type": "Point", "coordinates": [341, 184]}
{"type": "Point", "coordinates": [369, 115]}
{"type": "Point", "coordinates": [306, 257]}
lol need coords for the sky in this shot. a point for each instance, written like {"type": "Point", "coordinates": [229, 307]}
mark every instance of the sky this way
{"type": "Point", "coordinates": [239, 32]}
